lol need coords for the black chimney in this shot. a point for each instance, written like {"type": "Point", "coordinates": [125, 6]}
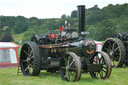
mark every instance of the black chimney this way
{"type": "Point", "coordinates": [81, 18]}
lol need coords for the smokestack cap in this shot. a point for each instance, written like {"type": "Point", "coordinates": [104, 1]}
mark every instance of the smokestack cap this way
{"type": "Point", "coordinates": [81, 6]}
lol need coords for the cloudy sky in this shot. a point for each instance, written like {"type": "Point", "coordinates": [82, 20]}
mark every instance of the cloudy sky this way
{"type": "Point", "coordinates": [48, 8]}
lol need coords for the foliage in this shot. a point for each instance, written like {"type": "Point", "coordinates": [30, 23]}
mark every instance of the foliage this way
{"type": "Point", "coordinates": [74, 14]}
{"type": "Point", "coordinates": [7, 38]}
{"type": "Point", "coordinates": [106, 22]}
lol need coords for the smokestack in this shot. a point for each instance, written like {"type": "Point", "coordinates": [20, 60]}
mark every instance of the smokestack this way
{"type": "Point", "coordinates": [81, 18]}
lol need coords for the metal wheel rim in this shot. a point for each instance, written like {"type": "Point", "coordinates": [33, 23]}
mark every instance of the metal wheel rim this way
{"type": "Point", "coordinates": [69, 68]}
{"type": "Point", "coordinates": [105, 70]}
{"type": "Point", "coordinates": [27, 60]}
{"type": "Point", "coordinates": [114, 51]}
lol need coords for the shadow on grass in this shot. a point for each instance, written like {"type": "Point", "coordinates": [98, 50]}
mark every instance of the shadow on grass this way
{"type": "Point", "coordinates": [84, 78]}
{"type": "Point", "coordinates": [48, 74]}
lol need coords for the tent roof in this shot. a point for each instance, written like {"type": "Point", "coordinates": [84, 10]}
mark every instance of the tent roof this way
{"type": "Point", "coordinates": [8, 44]}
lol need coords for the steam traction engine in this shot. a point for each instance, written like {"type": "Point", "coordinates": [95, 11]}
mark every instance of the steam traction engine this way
{"type": "Point", "coordinates": [117, 48]}
{"type": "Point", "coordinates": [68, 52]}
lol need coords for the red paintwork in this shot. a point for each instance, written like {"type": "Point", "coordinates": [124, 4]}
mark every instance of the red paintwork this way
{"type": "Point", "coordinates": [56, 35]}
{"type": "Point", "coordinates": [98, 44]}
{"type": "Point", "coordinates": [5, 65]}
{"type": "Point", "coordinates": [61, 28]}
{"type": "Point", "coordinates": [52, 36]}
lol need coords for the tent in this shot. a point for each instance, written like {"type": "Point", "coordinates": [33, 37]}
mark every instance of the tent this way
{"type": "Point", "coordinates": [8, 54]}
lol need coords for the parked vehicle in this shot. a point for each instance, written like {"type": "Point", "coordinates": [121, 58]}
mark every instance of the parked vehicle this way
{"type": "Point", "coordinates": [117, 48]}
{"type": "Point", "coordinates": [68, 52]}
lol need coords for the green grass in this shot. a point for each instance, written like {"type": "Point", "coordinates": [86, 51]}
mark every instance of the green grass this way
{"type": "Point", "coordinates": [9, 76]}
{"type": "Point", "coordinates": [18, 37]}
{"type": "Point", "coordinates": [19, 50]}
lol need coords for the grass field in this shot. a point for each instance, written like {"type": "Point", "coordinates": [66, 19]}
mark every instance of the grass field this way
{"type": "Point", "coordinates": [9, 76]}
{"type": "Point", "coordinates": [18, 37]}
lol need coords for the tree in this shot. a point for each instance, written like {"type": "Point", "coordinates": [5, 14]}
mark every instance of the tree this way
{"type": "Point", "coordinates": [7, 38]}
{"type": "Point", "coordinates": [74, 14]}
{"type": "Point", "coordinates": [101, 23]}
{"type": "Point", "coordinates": [64, 16]}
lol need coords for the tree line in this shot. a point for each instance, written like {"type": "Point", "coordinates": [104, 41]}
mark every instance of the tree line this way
{"type": "Point", "coordinates": [101, 23]}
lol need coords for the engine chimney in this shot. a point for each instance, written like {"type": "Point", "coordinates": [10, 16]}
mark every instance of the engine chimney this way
{"type": "Point", "coordinates": [81, 18]}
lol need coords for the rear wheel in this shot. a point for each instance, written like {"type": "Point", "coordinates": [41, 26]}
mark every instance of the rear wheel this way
{"type": "Point", "coordinates": [126, 64]}
{"type": "Point", "coordinates": [103, 59]}
{"type": "Point", "coordinates": [116, 50]}
{"type": "Point", "coordinates": [30, 59]}
{"type": "Point", "coordinates": [70, 67]}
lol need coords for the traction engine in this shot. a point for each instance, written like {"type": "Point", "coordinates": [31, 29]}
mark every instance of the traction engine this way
{"type": "Point", "coordinates": [69, 52]}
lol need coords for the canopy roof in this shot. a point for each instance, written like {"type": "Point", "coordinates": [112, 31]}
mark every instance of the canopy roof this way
{"type": "Point", "coordinates": [8, 45]}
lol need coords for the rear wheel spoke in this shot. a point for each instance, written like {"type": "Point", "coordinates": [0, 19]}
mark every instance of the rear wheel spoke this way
{"type": "Point", "coordinates": [115, 49]}
{"type": "Point", "coordinates": [106, 49]}
{"type": "Point", "coordinates": [24, 60]}
{"type": "Point", "coordinates": [113, 46]}
{"type": "Point", "coordinates": [27, 68]}
{"type": "Point", "coordinates": [26, 52]}
{"type": "Point", "coordinates": [63, 67]}
{"type": "Point", "coordinates": [30, 69]}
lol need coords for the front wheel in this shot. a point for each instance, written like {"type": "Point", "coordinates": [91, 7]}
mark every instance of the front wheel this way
{"type": "Point", "coordinates": [104, 60]}
{"type": "Point", "coordinates": [70, 67]}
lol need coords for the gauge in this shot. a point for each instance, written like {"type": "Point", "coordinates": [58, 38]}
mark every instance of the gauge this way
{"type": "Point", "coordinates": [68, 35]}
{"type": "Point", "coordinates": [74, 35]}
